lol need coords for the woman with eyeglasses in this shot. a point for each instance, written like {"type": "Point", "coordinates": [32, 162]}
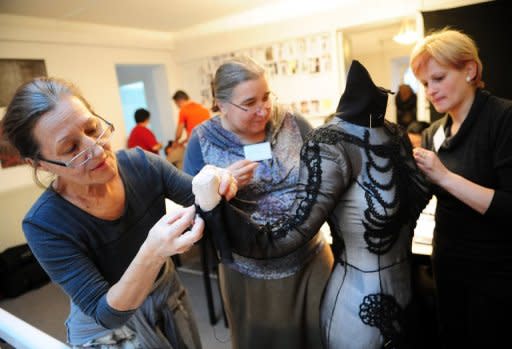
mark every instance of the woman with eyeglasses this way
{"type": "Point", "coordinates": [100, 229]}
{"type": "Point", "coordinates": [273, 284]}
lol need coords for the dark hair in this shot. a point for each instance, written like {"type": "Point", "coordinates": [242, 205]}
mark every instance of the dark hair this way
{"type": "Point", "coordinates": [141, 115]}
{"type": "Point", "coordinates": [417, 127]}
{"type": "Point", "coordinates": [168, 146]}
{"type": "Point", "coordinates": [180, 95]}
{"type": "Point", "coordinates": [30, 101]}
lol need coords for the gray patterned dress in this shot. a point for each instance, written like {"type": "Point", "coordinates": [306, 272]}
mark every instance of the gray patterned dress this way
{"type": "Point", "coordinates": [358, 172]}
{"type": "Point", "coordinates": [367, 179]}
{"type": "Point", "coordinates": [273, 283]}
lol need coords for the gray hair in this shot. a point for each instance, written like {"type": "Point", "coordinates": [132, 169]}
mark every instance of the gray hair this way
{"type": "Point", "coordinates": [233, 72]}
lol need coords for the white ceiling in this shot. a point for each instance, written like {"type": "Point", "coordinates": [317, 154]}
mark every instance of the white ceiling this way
{"type": "Point", "coordinates": [160, 15]}
{"type": "Point", "coordinates": [179, 15]}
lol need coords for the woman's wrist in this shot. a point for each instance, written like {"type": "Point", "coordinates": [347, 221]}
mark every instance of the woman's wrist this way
{"type": "Point", "coordinates": [149, 255]}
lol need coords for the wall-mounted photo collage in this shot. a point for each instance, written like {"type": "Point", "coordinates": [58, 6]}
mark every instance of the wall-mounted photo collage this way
{"type": "Point", "coordinates": [290, 62]}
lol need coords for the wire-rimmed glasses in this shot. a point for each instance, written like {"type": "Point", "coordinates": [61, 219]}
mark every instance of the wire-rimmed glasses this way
{"type": "Point", "coordinates": [104, 129]}
{"type": "Point", "coordinates": [253, 107]}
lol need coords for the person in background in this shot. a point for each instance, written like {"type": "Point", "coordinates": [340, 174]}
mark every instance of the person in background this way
{"type": "Point", "coordinates": [174, 152]}
{"type": "Point", "coordinates": [141, 135]}
{"type": "Point", "coordinates": [191, 115]}
{"type": "Point", "coordinates": [415, 131]}
{"type": "Point", "coordinates": [274, 282]}
{"type": "Point", "coordinates": [99, 229]}
{"type": "Point", "coordinates": [405, 102]}
{"type": "Point", "coordinates": [467, 155]}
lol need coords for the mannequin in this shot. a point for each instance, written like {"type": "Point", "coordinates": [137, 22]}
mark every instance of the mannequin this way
{"type": "Point", "coordinates": [357, 172]}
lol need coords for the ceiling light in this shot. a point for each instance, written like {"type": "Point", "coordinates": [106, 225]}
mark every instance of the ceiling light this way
{"type": "Point", "coordinates": [407, 34]}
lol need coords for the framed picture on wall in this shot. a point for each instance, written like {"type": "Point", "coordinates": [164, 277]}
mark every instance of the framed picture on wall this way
{"type": "Point", "coordinates": [13, 73]}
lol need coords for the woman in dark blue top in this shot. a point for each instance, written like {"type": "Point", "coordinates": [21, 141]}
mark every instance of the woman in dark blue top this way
{"type": "Point", "coordinates": [100, 229]}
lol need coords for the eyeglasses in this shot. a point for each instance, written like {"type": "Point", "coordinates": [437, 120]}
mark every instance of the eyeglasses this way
{"type": "Point", "coordinates": [253, 107]}
{"type": "Point", "coordinates": [105, 129]}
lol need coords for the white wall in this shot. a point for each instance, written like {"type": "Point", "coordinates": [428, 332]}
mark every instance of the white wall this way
{"type": "Point", "coordinates": [316, 86]}
{"type": "Point", "coordinates": [13, 206]}
{"type": "Point", "coordinates": [251, 30]}
{"type": "Point", "coordinates": [255, 28]}
{"type": "Point", "coordinates": [86, 55]}
{"type": "Point", "coordinates": [379, 65]}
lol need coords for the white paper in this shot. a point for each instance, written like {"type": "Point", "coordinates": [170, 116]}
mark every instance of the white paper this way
{"type": "Point", "coordinates": [439, 138]}
{"type": "Point", "coordinates": [258, 152]}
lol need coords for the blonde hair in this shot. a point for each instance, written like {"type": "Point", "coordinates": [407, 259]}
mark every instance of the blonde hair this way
{"type": "Point", "coordinates": [448, 47]}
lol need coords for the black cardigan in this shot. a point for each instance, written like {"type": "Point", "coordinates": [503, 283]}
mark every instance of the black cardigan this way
{"type": "Point", "coordinates": [481, 152]}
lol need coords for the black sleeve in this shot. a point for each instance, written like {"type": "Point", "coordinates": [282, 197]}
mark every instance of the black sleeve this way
{"type": "Point", "coordinates": [324, 175]}
{"type": "Point", "coordinates": [226, 224]}
{"type": "Point", "coordinates": [502, 162]}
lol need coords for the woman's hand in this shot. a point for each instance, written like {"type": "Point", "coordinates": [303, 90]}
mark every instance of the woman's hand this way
{"type": "Point", "coordinates": [210, 184]}
{"type": "Point", "coordinates": [429, 163]}
{"type": "Point", "coordinates": [472, 194]}
{"type": "Point", "coordinates": [243, 171]}
{"type": "Point", "coordinates": [228, 184]}
{"type": "Point", "coordinates": [175, 232]}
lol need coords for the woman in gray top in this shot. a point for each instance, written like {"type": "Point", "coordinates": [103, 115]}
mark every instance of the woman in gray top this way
{"type": "Point", "coordinates": [358, 171]}
{"type": "Point", "coordinates": [271, 282]}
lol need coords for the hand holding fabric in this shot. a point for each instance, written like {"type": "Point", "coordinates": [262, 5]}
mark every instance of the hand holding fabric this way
{"type": "Point", "coordinates": [175, 232]}
{"type": "Point", "coordinates": [428, 162]}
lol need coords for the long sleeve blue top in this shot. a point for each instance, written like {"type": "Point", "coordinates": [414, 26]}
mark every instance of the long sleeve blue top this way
{"type": "Point", "coordinates": [86, 255]}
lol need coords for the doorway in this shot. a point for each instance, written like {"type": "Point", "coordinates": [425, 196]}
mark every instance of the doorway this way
{"type": "Point", "coordinates": [385, 60]}
{"type": "Point", "coordinates": [145, 86]}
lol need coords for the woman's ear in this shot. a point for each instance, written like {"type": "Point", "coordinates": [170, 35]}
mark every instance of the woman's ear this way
{"type": "Point", "coordinates": [471, 70]}
{"type": "Point", "coordinates": [30, 162]}
{"type": "Point", "coordinates": [222, 107]}
{"type": "Point", "coordinates": [35, 164]}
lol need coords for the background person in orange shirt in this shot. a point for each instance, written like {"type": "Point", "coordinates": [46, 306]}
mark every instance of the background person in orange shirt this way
{"type": "Point", "coordinates": [191, 114]}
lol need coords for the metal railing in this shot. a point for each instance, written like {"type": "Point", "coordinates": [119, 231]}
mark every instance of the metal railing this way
{"type": "Point", "coordinates": [23, 335]}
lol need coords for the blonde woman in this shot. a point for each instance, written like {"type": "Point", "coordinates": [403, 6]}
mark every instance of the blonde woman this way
{"type": "Point", "coordinates": [467, 155]}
